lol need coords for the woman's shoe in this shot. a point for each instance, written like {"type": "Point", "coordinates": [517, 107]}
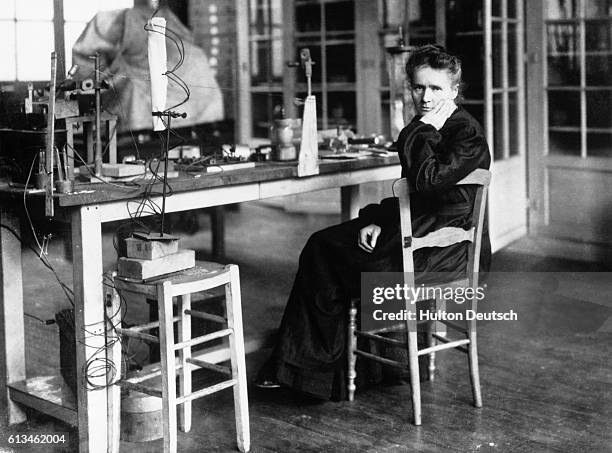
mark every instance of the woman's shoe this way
{"type": "Point", "coordinates": [266, 378]}
{"type": "Point", "coordinates": [266, 384]}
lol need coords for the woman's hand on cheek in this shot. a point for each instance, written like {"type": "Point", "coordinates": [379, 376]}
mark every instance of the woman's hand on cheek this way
{"type": "Point", "coordinates": [441, 112]}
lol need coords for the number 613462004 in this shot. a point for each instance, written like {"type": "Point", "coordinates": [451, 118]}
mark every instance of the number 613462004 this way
{"type": "Point", "coordinates": [57, 438]}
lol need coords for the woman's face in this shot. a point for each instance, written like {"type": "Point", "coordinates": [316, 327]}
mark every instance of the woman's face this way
{"type": "Point", "coordinates": [430, 87]}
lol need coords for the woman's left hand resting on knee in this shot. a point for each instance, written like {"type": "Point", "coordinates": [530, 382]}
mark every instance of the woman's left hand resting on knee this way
{"type": "Point", "coordinates": [367, 237]}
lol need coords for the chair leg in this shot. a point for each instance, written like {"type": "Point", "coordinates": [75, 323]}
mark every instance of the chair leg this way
{"type": "Point", "coordinates": [236, 341]}
{"type": "Point", "coordinates": [166, 346]}
{"type": "Point", "coordinates": [351, 347]}
{"type": "Point", "coordinates": [431, 341]}
{"type": "Point", "coordinates": [184, 334]}
{"type": "Point", "coordinates": [413, 363]}
{"type": "Point", "coordinates": [473, 361]}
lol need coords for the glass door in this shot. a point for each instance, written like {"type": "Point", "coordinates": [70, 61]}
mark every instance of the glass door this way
{"type": "Point", "coordinates": [488, 36]}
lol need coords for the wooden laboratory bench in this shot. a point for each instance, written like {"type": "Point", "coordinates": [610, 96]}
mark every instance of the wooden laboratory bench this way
{"type": "Point", "coordinates": [86, 210]}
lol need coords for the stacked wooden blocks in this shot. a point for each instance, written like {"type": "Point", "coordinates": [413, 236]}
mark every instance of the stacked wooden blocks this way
{"type": "Point", "coordinates": [153, 255]}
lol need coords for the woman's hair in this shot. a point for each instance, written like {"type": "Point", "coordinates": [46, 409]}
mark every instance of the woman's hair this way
{"type": "Point", "coordinates": [436, 57]}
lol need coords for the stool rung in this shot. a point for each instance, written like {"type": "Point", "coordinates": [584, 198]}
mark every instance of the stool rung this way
{"type": "Point", "coordinates": [139, 335]}
{"type": "Point", "coordinates": [206, 391]}
{"type": "Point", "coordinates": [207, 316]}
{"type": "Point", "coordinates": [376, 358]}
{"type": "Point", "coordinates": [372, 336]}
{"type": "Point", "coordinates": [442, 347]}
{"type": "Point", "coordinates": [150, 325]}
{"type": "Point", "coordinates": [204, 338]}
{"type": "Point", "coordinates": [141, 388]}
{"type": "Point", "coordinates": [210, 366]}
{"type": "Point", "coordinates": [446, 340]}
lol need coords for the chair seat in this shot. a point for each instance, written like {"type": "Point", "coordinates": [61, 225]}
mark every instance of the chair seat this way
{"type": "Point", "coordinates": [202, 270]}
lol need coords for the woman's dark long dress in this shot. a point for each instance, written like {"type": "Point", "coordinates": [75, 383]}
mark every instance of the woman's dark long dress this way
{"type": "Point", "coordinates": [310, 352]}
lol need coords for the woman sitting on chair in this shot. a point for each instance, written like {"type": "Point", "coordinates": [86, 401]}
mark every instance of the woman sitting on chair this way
{"type": "Point", "coordinates": [441, 146]}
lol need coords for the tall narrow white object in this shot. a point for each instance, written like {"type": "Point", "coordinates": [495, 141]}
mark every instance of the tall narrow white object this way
{"type": "Point", "coordinates": [308, 163]}
{"type": "Point", "coordinates": [157, 68]}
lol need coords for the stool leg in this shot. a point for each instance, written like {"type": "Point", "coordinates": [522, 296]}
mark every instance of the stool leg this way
{"type": "Point", "coordinates": [184, 334]}
{"type": "Point", "coordinates": [352, 346]}
{"type": "Point", "coordinates": [166, 343]}
{"type": "Point", "coordinates": [236, 340]}
{"type": "Point", "coordinates": [413, 363]}
{"type": "Point", "coordinates": [113, 355]}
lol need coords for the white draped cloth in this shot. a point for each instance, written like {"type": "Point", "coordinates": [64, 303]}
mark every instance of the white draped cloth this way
{"type": "Point", "coordinates": [121, 40]}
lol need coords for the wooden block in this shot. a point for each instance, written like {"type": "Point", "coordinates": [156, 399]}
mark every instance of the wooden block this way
{"type": "Point", "coordinates": [122, 170]}
{"type": "Point", "coordinates": [150, 250]}
{"type": "Point", "coordinates": [143, 269]}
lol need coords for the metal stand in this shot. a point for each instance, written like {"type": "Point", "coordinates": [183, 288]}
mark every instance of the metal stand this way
{"type": "Point", "coordinates": [169, 115]}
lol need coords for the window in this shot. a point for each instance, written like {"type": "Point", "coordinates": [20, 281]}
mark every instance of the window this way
{"type": "Point", "coordinates": [26, 39]}
{"type": "Point", "coordinates": [578, 86]}
{"type": "Point", "coordinates": [28, 30]}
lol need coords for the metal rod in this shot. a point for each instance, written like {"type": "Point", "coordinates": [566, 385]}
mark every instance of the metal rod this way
{"type": "Point", "coordinates": [166, 151]}
{"type": "Point", "coordinates": [50, 139]}
{"type": "Point", "coordinates": [98, 152]}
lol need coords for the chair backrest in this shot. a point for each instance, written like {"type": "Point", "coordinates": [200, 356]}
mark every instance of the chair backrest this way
{"type": "Point", "coordinates": [447, 236]}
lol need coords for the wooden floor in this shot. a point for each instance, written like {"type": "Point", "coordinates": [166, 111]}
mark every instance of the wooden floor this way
{"type": "Point", "coordinates": [546, 378]}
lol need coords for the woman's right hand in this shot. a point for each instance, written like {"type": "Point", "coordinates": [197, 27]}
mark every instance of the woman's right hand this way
{"type": "Point", "coordinates": [368, 236]}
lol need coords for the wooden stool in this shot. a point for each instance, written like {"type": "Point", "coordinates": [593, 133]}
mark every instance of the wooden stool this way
{"type": "Point", "coordinates": [182, 285]}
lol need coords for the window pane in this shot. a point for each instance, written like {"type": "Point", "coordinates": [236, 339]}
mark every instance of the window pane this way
{"type": "Point", "coordinates": [564, 143]}
{"type": "Point", "coordinates": [266, 61]}
{"type": "Point", "coordinates": [512, 53]}
{"type": "Point", "coordinates": [34, 47]}
{"type": "Point", "coordinates": [422, 23]}
{"type": "Point", "coordinates": [7, 9]}
{"type": "Point", "coordinates": [497, 55]}
{"type": "Point", "coordinates": [598, 36]}
{"type": "Point", "coordinates": [563, 38]}
{"type": "Point", "coordinates": [83, 11]}
{"type": "Point", "coordinates": [598, 8]}
{"type": "Point", "coordinates": [339, 16]}
{"type": "Point", "coordinates": [341, 63]}
{"type": "Point", "coordinates": [514, 124]}
{"type": "Point", "coordinates": [598, 70]}
{"type": "Point", "coordinates": [512, 9]}
{"type": "Point", "coordinates": [498, 128]}
{"type": "Point", "coordinates": [308, 18]}
{"type": "Point", "coordinates": [564, 108]}
{"type": "Point", "coordinates": [7, 50]}
{"type": "Point", "coordinates": [564, 70]}
{"type": "Point", "coordinates": [496, 8]}
{"type": "Point", "coordinates": [34, 9]}
{"type": "Point", "coordinates": [599, 109]}
{"type": "Point", "coordinates": [599, 145]}
{"type": "Point", "coordinates": [562, 9]}
{"type": "Point", "coordinates": [463, 15]}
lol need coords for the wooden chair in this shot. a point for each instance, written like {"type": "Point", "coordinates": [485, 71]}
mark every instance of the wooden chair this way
{"type": "Point", "coordinates": [182, 285]}
{"type": "Point", "coordinates": [443, 237]}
